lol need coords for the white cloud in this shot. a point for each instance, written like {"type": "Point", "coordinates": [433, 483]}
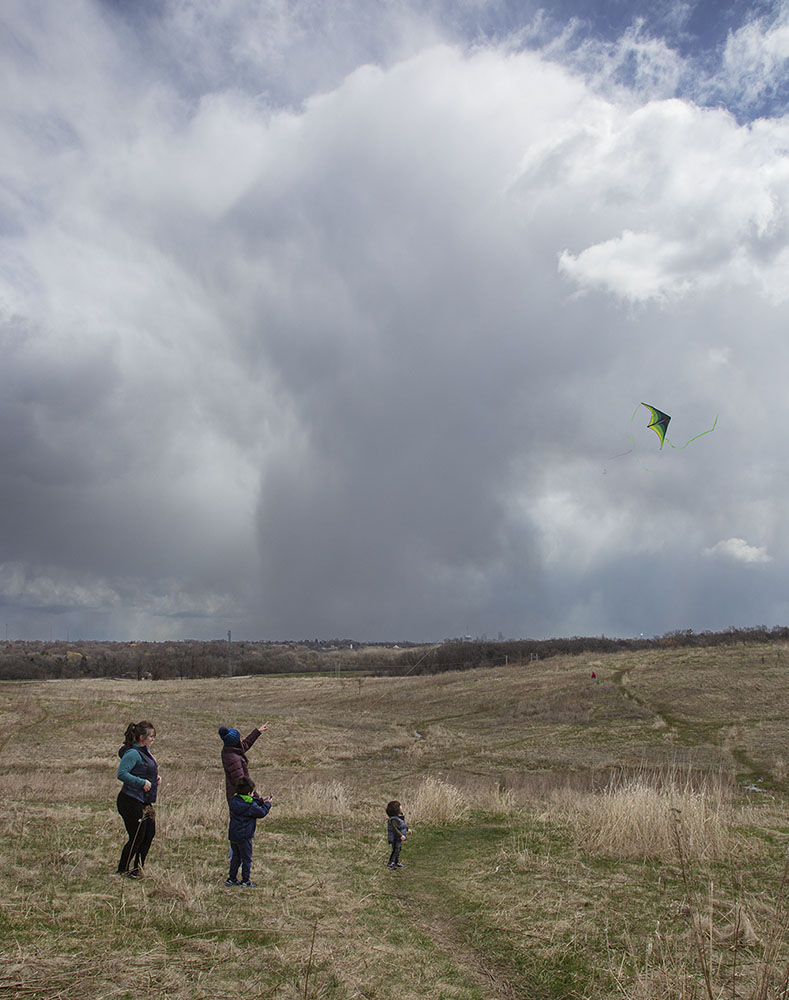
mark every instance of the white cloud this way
{"type": "Point", "coordinates": [637, 63]}
{"type": "Point", "coordinates": [719, 356]}
{"type": "Point", "coordinates": [635, 266]}
{"type": "Point", "coordinates": [738, 550]}
{"type": "Point", "coordinates": [756, 56]}
{"type": "Point", "coordinates": [691, 201]}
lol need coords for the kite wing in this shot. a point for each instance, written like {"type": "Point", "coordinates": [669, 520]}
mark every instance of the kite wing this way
{"type": "Point", "coordinates": [659, 422]}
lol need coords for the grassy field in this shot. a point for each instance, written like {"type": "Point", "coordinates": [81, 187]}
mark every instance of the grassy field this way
{"type": "Point", "coordinates": [578, 838]}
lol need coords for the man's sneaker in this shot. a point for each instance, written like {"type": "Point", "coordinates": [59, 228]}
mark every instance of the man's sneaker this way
{"type": "Point", "coordinates": [399, 864]}
{"type": "Point", "coordinates": [249, 885]}
{"type": "Point", "coordinates": [232, 881]}
{"type": "Point", "coordinates": [134, 873]}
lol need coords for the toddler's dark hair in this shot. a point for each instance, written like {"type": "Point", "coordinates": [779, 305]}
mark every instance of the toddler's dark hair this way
{"type": "Point", "coordinates": [394, 808]}
{"type": "Point", "coordinates": [245, 786]}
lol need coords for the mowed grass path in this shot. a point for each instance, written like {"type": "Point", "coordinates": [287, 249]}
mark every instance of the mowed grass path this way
{"type": "Point", "coordinates": [505, 892]}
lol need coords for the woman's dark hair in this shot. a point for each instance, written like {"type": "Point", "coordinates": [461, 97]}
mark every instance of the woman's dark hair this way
{"type": "Point", "coordinates": [393, 809]}
{"type": "Point", "coordinates": [245, 786]}
{"type": "Point", "coordinates": [137, 731]}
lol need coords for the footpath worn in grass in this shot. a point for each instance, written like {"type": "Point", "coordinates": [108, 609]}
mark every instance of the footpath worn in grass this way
{"type": "Point", "coordinates": [574, 838]}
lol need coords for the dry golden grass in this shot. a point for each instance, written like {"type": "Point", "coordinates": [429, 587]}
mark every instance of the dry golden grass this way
{"type": "Point", "coordinates": [531, 872]}
{"type": "Point", "coordinates": [436, 802]}
{"type": "Point", "coordinates": [320, 799]}
{"type": "Point", "coordinates": [636, 818]}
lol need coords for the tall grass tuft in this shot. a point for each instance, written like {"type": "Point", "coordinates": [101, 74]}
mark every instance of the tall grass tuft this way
{"type": "Point", "coordinates": [436, 801]}
{"type": "Point", "coordinates": [318, 799]}
{"type": "Point", "coordinates": [730, 949]}
{"type": "Point", "coordinates": [492, 797]}
{"type": "Point", "coordinates": [634, 819]}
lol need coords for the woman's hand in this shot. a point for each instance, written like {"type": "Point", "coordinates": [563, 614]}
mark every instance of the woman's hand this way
{"type": "Point", "coordinates": [158, 780]}
{"type": "Point", "coordinates": [263, 727]}
{"type": "Point", "coordinates": [147, 786]}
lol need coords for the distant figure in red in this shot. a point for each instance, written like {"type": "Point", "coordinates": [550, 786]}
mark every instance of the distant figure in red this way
{"type": "Point", "coordinates": [594, 676]}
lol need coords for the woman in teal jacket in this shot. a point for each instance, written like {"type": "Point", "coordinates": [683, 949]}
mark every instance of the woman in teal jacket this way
{"type": "Point", "coordinates": [139, 773]}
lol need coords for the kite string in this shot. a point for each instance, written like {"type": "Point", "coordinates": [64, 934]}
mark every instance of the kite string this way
{"type": "Point", "coordinates": [632, 448]}
{"type": "Point", "coordinates": [679, 447]}
{"type": "Point", "coordinates": [401, 676]}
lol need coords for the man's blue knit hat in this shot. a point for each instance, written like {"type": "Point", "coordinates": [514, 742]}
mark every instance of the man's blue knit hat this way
{"type": "Point", "coordinates": [230, 737]}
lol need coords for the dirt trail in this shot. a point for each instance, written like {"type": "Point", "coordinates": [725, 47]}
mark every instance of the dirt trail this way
{"type": "Point", "coordinates": [723, 734]}
{"type": "Point", "coordinates": [445, 908]}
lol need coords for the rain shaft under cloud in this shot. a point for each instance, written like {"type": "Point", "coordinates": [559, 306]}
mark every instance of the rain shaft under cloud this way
{"type": "Point", "coordinates": [327, 333]}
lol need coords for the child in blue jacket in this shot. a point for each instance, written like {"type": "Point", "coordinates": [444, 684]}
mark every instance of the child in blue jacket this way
{"type": "Point", "coordinates": [245, 811]}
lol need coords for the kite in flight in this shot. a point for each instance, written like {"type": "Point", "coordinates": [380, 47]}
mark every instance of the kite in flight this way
{"type": "Point", "coordinates": [659, 424]}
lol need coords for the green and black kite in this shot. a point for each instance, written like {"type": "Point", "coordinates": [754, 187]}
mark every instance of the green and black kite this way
{"type": "Point", "coordinates": [659, 424]}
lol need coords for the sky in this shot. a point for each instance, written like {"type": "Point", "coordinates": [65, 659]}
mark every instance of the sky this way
{"type": "Point", "coordinates": [333, 319]}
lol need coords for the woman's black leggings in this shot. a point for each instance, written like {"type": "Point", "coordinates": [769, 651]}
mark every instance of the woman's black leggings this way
{"type": "Point", "coordinates": [141, 832]}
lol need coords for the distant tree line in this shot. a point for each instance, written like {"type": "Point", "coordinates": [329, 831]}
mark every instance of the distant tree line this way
{"type": "Point", "coordinates": [465, 655]}
{"type": "Point", "coordinates": [39, 660]}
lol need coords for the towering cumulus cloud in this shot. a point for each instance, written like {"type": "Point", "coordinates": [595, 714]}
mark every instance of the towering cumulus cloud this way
{"type": "Point", "coordinates": [320, 321]}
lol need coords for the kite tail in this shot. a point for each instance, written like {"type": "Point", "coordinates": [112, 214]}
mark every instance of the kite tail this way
{"type": "Point", "coordinates": [679, 447]}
